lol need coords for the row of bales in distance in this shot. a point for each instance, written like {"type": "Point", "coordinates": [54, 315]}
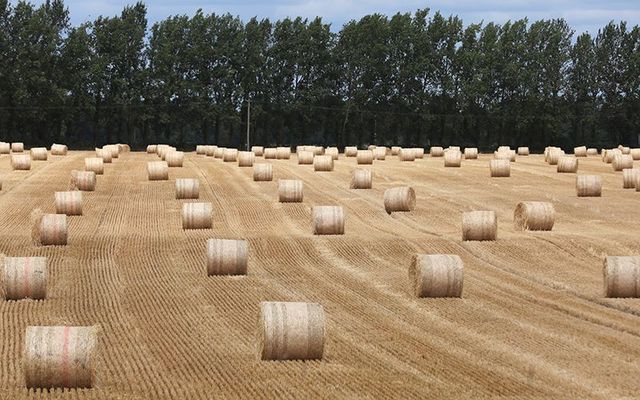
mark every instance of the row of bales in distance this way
{"type": "Point", "coordinates": [287, 330]}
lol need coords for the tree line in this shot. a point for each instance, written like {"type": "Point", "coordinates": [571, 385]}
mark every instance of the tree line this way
{"type": "Point", "coordinates": [414, 80]}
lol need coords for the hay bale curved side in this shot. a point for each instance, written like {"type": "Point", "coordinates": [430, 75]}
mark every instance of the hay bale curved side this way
{"type": "Point", "coordinates": [227, 257]}
{"type": "Point", "coordinates": [436, 275]}
{"type": "Point", "coordinates": [534, 216]}
{"type": "Point", "coordinates": [621, 276]}
{"type": "Point", "coordinates": [197, 216]}
{"type": "Point", "coordinates": [187, 188]}
{"type": "Point", "coordinates": [290, 191]}
{"type": "Point", "coordinates": [479, 225]}
{"type": "Point", "coordinates": [328, 220]}
{"type": "Point", "coordinates": [68, 203]}
{"type": "Point", "coordinates": [401, 198]}
{"type": "Point", "coordinates": [588, 185]}
{"type": "Point", "coordinates": [361, 179]}
{"type": "Point", "coordinates": [262, 172]}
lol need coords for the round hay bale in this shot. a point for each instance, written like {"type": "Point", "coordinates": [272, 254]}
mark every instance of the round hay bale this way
{"type": "Point", "coordinates": [83, 180]}
{"type": "Point", "coordinates": [39, 154]}
{"type": "Point", "coordinates": [621, 276]}
{"type": "Point", "coordinates": [197, 216]}
{"type": "Point", "coordinates": [609, 155]}
{"type": "Point", "coordinates": [395, 150]}
{"type": "Point", "coordinates": [452, 158]}
{"type": "Point", "coordinates": [502, 155]}
{"type": "Point", "coordinates": [283, 153]}
{"type": "Point", "coordinates": [174, 159]}
{"type": "Point", "coordinates": [523, 151]}
{"type": "Point", "coordinates": [158, 171]}
{"type": "Point", "coordinates": [291, 331]}
{"type": "Point", "coordinates": [500, 168]}
{"type": "Point", "coordinates": [371, 147]}
{"type": "Point", "coordinates": [270, 153]}
{"type": "Point", "coordinates": [333, 152]}
{"type": "Point", "coordinates": [592, 152]}
{"type": "Point", "coordinates": [622, 161]}
{"type": "Point", "coordinates": [161, 148]}
{"type": "Point", "coordinates": [69, 203]}
{"type": "Point", "coordinates": [406, 155]}
{"type": "Point", "coordinates": [152, 149]}
{"type": "Point", "coordinates": [219, 152]}
{"type": "Point", "coordinates": [17, 147]}
{"type": "Point", "coordinates": [5, 148]}
{"type": "Point", "coordinates": [629, 177]}
{"type": "Point", "coordinates": [364, 157]}
{"type": "Point", "coordinates": [580, 151]}
{"type": "Point", "coordinates": [554, 156]}
{"type": "Point", "coordinates": [201, 149]}
{"type": "Point", "coordinates": [401, 198]}
{"type": "Point", "coordinates": [328, 220]}
{"type": "Point", "coordinates": [625, 150]}
{"type": "Point", "coordinates": [635, 154]}
{"type": "Point", "coordinates": [115, 150]}
{"type": "Point", "coordinates": [418, 152]}
{"type": "Point", "coordinates": [227, 257]}
{"type": "Point", "coordinates": [436, 151]}
{"type": "Point", "coordinates": [210, 151]}
{"type": "Point", "coordinates": [94, 164]}
{"type": "Point", "coordinates": [25, 278]}
{"type": "Point", "coordinates": [60, 356]}
{"type": "Point", "coordinates": [504, 148]}
{"type": "Point", "coordinates": [20, 162]}
{"type": "Point", "coordinates": [567, 165]}
{"type": "Point", "coordinates": [290, 191]}
{"type": "Point", "coordinates": [123, 148]}
{"type": "Point", "coordinates": [436, 275]}
{"type": "Point", "coordinates": [305, 157]}
{"type": "Point", "coordinates": [318, 150]}
{"type": "Point", "coordinates": [187, 188]}
{"type": "Point", "coordinates": [58, 150]}
{"type": "Point", "coordinates": [105, 155]}
{"type": "Point", "coordinates": [258, 151]}
{"type": "Point", "coordinates": [230, 155]}
{"type": "Point", "coordinates": [380, 153]}
{"type": "Point", "coordinates": [588, 185]}
{"type": "Point", "coordinates": [350, 151]}
{"type": "Point", "coordinates": [479, 225]}
{"type": "Point", "coordinates": [246, 158]}
{"type": "Point", "coordinates": [361, 179]}
{"type": "Point", "coordinates": [323, 163]}
{"type": "Point", "coordinates": [262, 172]}
{"type": "Point", "coordinates": [471, 153]}
{"type": "Point", "coordinates": [534, 216]}
{"type": "Point", "coordinates": [48, 229]}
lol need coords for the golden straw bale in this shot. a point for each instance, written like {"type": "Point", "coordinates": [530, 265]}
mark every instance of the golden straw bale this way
{"type": "Point", "coordinates": [436, 151]}
{"type": "Point", "coordinates": [418, 152]}
{"type": "Point", "coordinates": [629, 177]}
{"type": "Point", "coordinates": [83, 180]}
{"type": "Point", "coordinates": [452, 158]}
{"type": "Point", "coordinates": [283, 153]}
{"type": "Point", "coordinates": [364, 157]}
{"type": "Point", "coordinates": [500, 168]}
{"type": "Point", "coordinates": [25, 278]}
{"type": "Point", "coordinates": [523, 151]}
{"type": "Point", "coordinates": [262, 172]}
{"type": "Point", "coordinates": [290, 191]}
{"type": "Point", "coordinates": [197, 215]}
{"type": "Point", "coordinates": [323, 163]}
{"type": "Point", "coordinates": [152, 149]}
{"type": "Point", "coordinates": [68, 203]}
{"type": "Point", "coordinates": [554, 156]}
{"type": "Point", "coordinates": [246, 158]}
{"type": "Point", "coordinates": [158, 171]}
{"type": "Point", "coordinates": [227, 257]}
{"type": "Point", "coordinates": [200, 149]}
{"type": "Point", "coordinates": [588, 185]}
{"type": "Point", "coordinates": [5, 148]}
{"type": "Point", "coordinates": [622, 161]}
{"type": "Point", "coordinates": [328, 220]}
{"type": "Point", "coordinates": [609, 155]}
{"type": "Point", "coordinates": [305, 157]}
{"type": "Point", "coordinates": [174, 159]}
{"type": "Point", "coordinates": [39, 154]}
{"type": "Point", "coordinates": [580, 151]}
{"type": "Point", "coordinates": [436, 275]}
{"type": "Point", "coordinates": [592, 152]}
{"type": "Point", "coordinates": [361, 179]}
{"type": "Point", "coordinates": [479, 225]}
{"type": "Point", "coordinates": [210, 151]}
{"type": "Point", "coordinates": [402, 198]}
{"type": "Point", "coordinates": [58, 150]}
{"type": "Point", "coordinates": [258, 151]}
{"type": "Point", "coordinates": [567, 164]}
{"type": "Point", "coordinates": [270, 153]}
{"type": "Point", "coordinates": [333, 152]}
{"type": "Point", "coordinates": [380, 153]}
{"type": "Point", "coordinates": [48, 229]}
{"type": "Point", "coordinates": [20, 162]}
{"type": "Point", "coordinates": [350, 151]}
{"type": "Point", "coordinates": [471, 153]}
{"type": "Point", "coordinates": [187, 188]}
{"type": "Point", "coordinates": [635, 154]}
{"type": "Point", "coordinates": [395, 150]}
{"type": "Point", "coordinates": [406, 155]}
{"type": "Point", "coordinates": [94, 164]}
{"type": "Point", "coordinates": [219, 152]}
{"type": "Point", "coordinates": [105, 155]}
{"type": "Point", "coordinates": [621, 276]}
{"type": "Point", "coordinates": [534, 216]}
{"type": "Point", "coordinates": [17, 147]}
{"type": "Point", "coordinates": [230, 155]}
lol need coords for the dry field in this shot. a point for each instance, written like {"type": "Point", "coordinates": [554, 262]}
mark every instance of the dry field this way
{"type": "Point", "coordinates": [532, 321]}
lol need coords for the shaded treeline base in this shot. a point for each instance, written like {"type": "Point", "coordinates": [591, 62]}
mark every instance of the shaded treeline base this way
{"type": "Point", "coordinates": [412, 80]}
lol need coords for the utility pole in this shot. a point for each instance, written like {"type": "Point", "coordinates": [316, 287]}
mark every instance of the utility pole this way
{"type": "Point", "coordinates": [248, 122]}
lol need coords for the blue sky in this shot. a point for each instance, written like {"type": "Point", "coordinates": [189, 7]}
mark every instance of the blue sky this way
{"type": "Point", "coordinates": [585, 15]}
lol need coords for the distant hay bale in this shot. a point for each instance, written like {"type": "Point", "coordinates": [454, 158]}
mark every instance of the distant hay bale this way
{"type": "Point", "coordinates": [622, 161]}
{"type": "Point", "coordinates": [588, 185]}
{"type": "Point", "coordinates": [364, 157]}
{"type": "Point", "coordinates": [158, 171]}
{"type": "Point", "coordinates": [471, 153]}
{"type": "Point", "coordinates": [452, 158]}
{"type": "Point", "coordinates": [350, 151]}
{"type": "Point", "coordinates": [17, 147]}
{"type": "Point", "coordinates": [25, 278]}
{"type": "Point", "coordinates": [609, 155]}
{"type": "Point", "coordinates": [621, 276]}
{"type": "Point", "coordinates": [105, 155]}
{"type": "Point", "coordinates": [436, 275]}
{"type": "Point", "coordinates": [401, 198]}
{"type": "Point", "coordinates": [629, 177]}
{"type": "Point", "coordinates": [328, 220]}
{"type": "Point", "coordinates": [230, 155]}
{"type": "Point", "coordinates": [395, 150]}
{"type": "Point", "coordinates": [115, 150]}
{"type": "Point", "coordinates": [219, 152]}
{"type": "Point", "coordinates": [323, 163]}
{"type": "Point", "coordinates": [625, 150]}
{"type": "Point", "coordinates": [20, 162]}
{"type": "Point", "coordinates": [554, 156]}
{"type": "Point", "coordinates": [406, 155]}
{"type": "Point", "coordinates": [372, 147]}
{"type": "Point", "coordinates": [436, 151]}
{"type": "Point", "coordinates": [502, 155]}
{"type": "Point", "coordinates": [523, 151]}
{"type": "Point", "coordinates": [479, 225]}
{"type": "Point", "coordinates": [500, 168]}
{"type": "Point", "coordinates": [187, 188]}
{"type": "Point", "coordinates": [567, 165]}
{"type": "Point", "coordinates": [333, 152]}
{"type": "Point", "coordinates": [123, 148]}
{"type": "Point", "coordinates": [246, 158]}
{"type": "Point", "coordinates": [318, 150]}
{"type": "Point", "coordinates": [270, 153]}
{"type": "Point", "coordinates": [380, 153]}
{"type": "Point", "coordinates": [152, 149]}
{"type": "Point", "coordinates": [635, 154]}
{"type": "Point", "coordinates": [283, 153]}
{"type": "Point", "coordinates": [290, 191]}
{"type": "Point", "coordinates": [48, 229]}
{"type": "Point", "coordinates": [39, 154]}
{"type": "Point", "coordinates": [210, 151]}
{"type": "Point", "coordinates": [94, 164]}
{"type": "Point", "coordinates": [262, 172]}
{"type": "Point", "coordinates": [504, 148]}
{"type": "Point", "coordinates": [60, 356]}
{"type": "Point", "coordinates": [592, 152]}
{"type": "Point", "coordinates": [534, 216]}
{"type": "Point", "coordinates": [580, 151]}
{"type": "Point", "coordinates": [305, 157]}
{"type": "Point", "coordinates": [197, 216]}
{"type": "Point", "coordinates": [200, 149]}
{"type": "Point", "coordinates": [291, 331]}
{"type": "Point", "coordinates": [5, 148]}
{"type": "Point", "coordinates": [161, 148]}
{"type": "Point", "coordinates": [174, 159]}
{"type": "Point", "coordinates": [227, 257]}
{"type": "Point", "coordinates": [83, 180]}
{"type": "Point", "coordinates": [69, 203]}
{"type": "Point", "coordinates": [361, 179]}
{"type": "Point", "coordinates": [258, 151]}
{"type": "Point", "coordinates": [418, 152]}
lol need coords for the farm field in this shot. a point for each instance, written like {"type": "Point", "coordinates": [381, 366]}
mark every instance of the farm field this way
{"type": "Point", "coordinates": [532, 321]}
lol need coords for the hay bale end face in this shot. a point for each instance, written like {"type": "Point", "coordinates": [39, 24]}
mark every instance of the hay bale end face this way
{"type": "Point", "coordinates": [69, 203]}
{"type": "Point", "coordinates": [568, 165]}
{"type": "Point", "coordinates": [83, 180]}
{"type": "Point", "coordinates": [262, 172]}
{"type": "Point", "coordinates": [500, 168]}
{"type": "Point", "coordinates": [25, 278]}
{"type": "Point", "coordinates": [291, 331]}
{"type": "Point", "coordinates": [361, 179]}
{"type": "Point", "coordinates": [187, 188]}
{"type": "Point", "coordinates": [534, 216]}
{"type": "Point", "coordinates": [197, 216]}
{"type": "Point", "coordinates": [227, 257]}
{"type": "Point", "coordinates": [48, 229]}
{"type": "Point", "coordinates": [364, 157]}
{"type": "Point", "coordinates": [290, 191]}
{"type": "Point", "coordinates": [158, 171]}
{"type": "Point", "coordinates": [436, 275]}
{"type": "Point", "coordinates": [60, 356]}
{"type": "Point", "coordinates": [246, 158]}
{"type": "Point", "coordinates": [479, 225]}
{"type": "Point", "coordinates": [588, 185]}
{"type": "Point", "coordinates": [621, 276]}
{"type": "Point", "coordinates": [328, 220]}
{"type": "Point", "coordinates": [401, 198]}
{"type": "Point", "coordinates": [20, 162]}
{"type": "Point", "coordinates": [323, 163]}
